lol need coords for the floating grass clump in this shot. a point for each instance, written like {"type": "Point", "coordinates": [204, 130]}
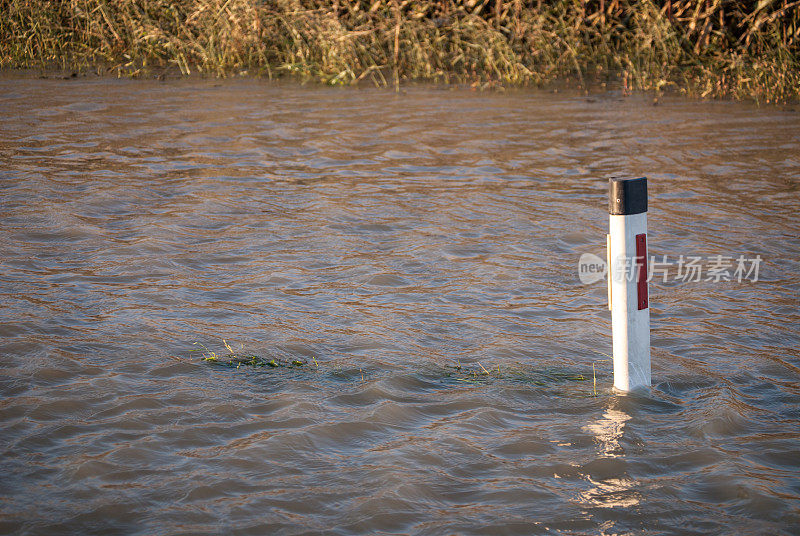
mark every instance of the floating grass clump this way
{"type": "Point", "coordinates": [716, 48]}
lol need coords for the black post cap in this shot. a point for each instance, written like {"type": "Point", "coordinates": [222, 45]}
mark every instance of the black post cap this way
{"type": "Point", "coordinates": [627, 196]}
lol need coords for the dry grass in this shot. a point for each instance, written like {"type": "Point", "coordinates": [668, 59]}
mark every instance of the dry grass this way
{"type": "Point", "coordinates": [709, 48]}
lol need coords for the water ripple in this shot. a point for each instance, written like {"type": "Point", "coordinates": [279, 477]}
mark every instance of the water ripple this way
{"type": "Point", "coordinates": [384, 240]}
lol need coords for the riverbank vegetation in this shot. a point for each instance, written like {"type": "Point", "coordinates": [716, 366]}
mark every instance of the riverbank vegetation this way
{"type": "Point", "coordinates": [707, 48]}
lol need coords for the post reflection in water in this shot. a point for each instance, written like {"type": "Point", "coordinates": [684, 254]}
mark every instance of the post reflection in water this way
{"type": "Point", "coordinates": [616, 491]}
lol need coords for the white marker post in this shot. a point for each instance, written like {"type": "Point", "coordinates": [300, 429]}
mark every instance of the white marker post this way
{"type": "Point", "coordinates": [627, 279]}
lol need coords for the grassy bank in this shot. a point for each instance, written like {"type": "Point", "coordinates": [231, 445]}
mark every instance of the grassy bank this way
{"type": "Point", "coordinates": [716, 48]}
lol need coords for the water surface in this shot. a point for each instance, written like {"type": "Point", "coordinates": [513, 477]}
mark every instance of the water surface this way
{"type": "Point", "coordinates": [383, 239]}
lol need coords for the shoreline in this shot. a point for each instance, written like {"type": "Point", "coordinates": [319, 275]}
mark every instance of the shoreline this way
{"type": "Point", "coordinates": [596, 92]}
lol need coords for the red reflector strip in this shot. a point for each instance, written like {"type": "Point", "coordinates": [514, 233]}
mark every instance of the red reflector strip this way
{"type": "Point", "coordinates": [641, 263]}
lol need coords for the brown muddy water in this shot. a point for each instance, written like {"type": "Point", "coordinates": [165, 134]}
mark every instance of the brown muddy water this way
{"type": "Point", "coordinates": [381, 239]}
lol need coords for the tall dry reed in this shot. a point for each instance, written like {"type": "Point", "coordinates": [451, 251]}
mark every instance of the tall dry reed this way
{"type": "Point", "coordinates": [739, 49]}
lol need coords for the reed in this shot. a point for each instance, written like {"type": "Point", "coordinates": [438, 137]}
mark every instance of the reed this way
{"type": "Point", "coordinates": [707, 48]}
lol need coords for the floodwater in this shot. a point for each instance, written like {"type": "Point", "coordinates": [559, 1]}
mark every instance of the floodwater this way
{"type": "Point", "coordinates": [382, 240]}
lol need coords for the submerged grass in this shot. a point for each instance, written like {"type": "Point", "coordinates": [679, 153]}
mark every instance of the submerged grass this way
{"type": "Point", "coordinates": [708, 48]}
{"type": "Point", "coordinates": [517, 373]}
{"type": "Point", "coordinates": [474, 373]}
{"type": "Point", "coordinates": [237, 358]}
